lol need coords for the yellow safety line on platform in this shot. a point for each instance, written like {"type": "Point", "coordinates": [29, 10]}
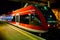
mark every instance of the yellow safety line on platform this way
{"type": "Point", "coordinates": [23, 33]}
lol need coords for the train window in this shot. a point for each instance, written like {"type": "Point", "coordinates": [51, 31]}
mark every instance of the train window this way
{"type": "Point", "coordinates": [13, 19]}
{"type": "Point", "coordinates": [35, 20]}
{"type": "Point", "coordinates": [31, 19]}
{"type": "Point", "coordinates": [24, 19]}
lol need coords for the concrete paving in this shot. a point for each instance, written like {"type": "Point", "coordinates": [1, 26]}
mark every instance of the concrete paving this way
{"type": "Point", "coordinates": [9, 32]}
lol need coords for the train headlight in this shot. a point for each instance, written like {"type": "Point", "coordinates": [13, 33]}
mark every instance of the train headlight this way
{"type": "Point", "coordinates": [48, 25]}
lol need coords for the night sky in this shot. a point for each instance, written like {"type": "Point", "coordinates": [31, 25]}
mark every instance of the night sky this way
{"type": "Point", "coordinates": [7, 6]}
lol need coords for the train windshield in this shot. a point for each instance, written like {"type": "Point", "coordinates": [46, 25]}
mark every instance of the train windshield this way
{"type": "Point", "coordinates": [48, 14]}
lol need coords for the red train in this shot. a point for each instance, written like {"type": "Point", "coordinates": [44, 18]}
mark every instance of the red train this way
{"type": "Point", "coordinates": [35, 18]}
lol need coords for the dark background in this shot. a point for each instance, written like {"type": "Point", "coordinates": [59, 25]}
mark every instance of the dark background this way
{"type": "Point", "coordinates": [7, 6]}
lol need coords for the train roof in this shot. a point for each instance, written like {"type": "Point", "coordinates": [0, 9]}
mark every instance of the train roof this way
{"type": "Point", "coordinates": [24, 10]}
